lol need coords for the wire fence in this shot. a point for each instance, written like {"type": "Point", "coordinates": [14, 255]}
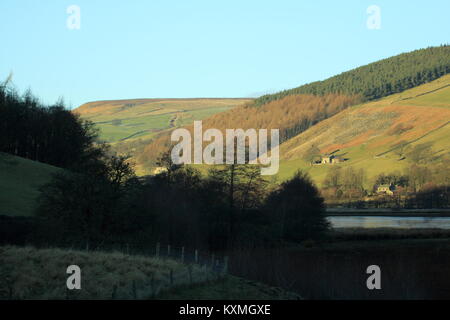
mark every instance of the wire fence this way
{"type": "Point", "coordinates": [210, 267]}
{"type": "Point", "coordinates": [216, 263]}
{"type": "Point", "coordinates": [188, 256]}
{"type": "Point", "coordinates": [129, 276]}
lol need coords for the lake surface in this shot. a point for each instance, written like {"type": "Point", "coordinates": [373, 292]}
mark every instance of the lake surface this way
{"type": "Point", "coordinates": [389, 222]}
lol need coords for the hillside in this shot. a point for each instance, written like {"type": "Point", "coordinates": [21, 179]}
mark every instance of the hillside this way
{"type": "Point", "coordinates": [20, 180]}
{"type": "Point", "coordinates": [125, 120]}
{"type": "Point", "coordinates": [368, 135]}
{"type": "Point", "coordinates": [290, 115]}
{"type": "Point", "coordinates": [406, 82]}
{"type": "Point", "coordinates": [379, 79]}
{"type": "Point", "coordinates": [294, 111]}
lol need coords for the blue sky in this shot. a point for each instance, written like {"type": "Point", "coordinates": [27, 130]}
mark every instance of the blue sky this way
{"type": "Point", "coordinates": [175, 49]}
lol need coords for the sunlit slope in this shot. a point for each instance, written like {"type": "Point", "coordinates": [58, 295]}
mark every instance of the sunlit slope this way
{"type": "Point", "coordinates": [290, 115]}
{"type": "Point", "coordinates": [367, 134]}
{"type": "Point", "coordinates": [121, 120]}
{"type": "Point", "coordinates": [20, 180]}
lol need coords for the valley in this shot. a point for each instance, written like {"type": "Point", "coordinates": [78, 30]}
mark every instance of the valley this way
{"type": "Point", "coordinates": [98, 186]}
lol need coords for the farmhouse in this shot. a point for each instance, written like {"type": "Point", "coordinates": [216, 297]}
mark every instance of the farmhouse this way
{"type": "Point", "coordinates": [331, 159]}
{"type": "Point", "coordinates": [386, 189]}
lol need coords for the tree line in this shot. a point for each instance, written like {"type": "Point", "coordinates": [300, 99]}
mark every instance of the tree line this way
{"type": "Point", "coordinates": [49, 134]}
{"type": "Point", "coordinates": [378, 79]}
{"type": "Point", "coordinates": [418, 186]}
{"type": "Point", "coordinates": [231, 206]}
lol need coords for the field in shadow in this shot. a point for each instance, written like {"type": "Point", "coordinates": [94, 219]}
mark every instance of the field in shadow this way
{"type": "Point", "coordinates": [410, 269]}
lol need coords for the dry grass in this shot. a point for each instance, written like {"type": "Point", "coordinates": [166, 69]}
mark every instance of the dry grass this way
{"type": "Point", "coordinates": [29, 273]}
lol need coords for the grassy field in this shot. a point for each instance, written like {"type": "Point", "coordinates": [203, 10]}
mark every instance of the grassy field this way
{"type": "Point", "coordinates": [29, 273]}
{"type": "Point", "coordinates": [125, 120]}
{"type": "Point", "coordinates": [20, 180]}
{"type": "Point", "coordinates": [366, 134]}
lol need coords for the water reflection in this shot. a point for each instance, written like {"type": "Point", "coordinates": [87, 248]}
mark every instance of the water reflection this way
{"type": "Point", "coordinates": [389, 222]}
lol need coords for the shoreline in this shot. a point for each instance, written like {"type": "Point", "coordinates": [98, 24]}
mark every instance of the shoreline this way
{"type": "Point", "coordinates": [388, 212]}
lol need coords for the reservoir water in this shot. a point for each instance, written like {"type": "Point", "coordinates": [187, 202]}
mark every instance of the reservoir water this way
{"type": "Point", "coordinates": [389, 222]}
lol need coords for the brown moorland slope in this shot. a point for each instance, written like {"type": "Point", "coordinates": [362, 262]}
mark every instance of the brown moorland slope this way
{"type": "Point", "coordinates": [292, 115]}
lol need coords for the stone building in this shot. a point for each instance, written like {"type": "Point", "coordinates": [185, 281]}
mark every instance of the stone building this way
{"type": "Point", "coordinates": [386, 189]}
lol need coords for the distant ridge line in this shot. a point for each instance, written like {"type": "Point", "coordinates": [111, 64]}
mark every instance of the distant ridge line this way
{"type": "Point", "coordinates": [162, 99]}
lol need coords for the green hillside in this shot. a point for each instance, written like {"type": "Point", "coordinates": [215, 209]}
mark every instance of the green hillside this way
{"type": "Point", "coordinates": [20, 180]}
{"type": "Point", "coordinates": [367, 135]}
{"type": "Point", "coordinates": [381, 78]}
{"type": "Point", "coordinates": [126, 120]}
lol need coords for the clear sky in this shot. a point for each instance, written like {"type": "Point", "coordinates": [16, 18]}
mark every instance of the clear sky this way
{"type": "Point", "coordinates": [175, 49]}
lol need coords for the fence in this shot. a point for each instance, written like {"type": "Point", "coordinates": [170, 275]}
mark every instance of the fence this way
{"type": "Point", "coordinates": [194, 267]}
{"type": "Point", "coordinates": [212, 261]}
{"type": "Point", "coordinates": [209, 266]}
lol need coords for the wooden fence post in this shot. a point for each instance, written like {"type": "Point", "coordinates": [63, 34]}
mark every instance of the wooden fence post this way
{"type": "Point", "coordinates": [135, 296]}
{"type": "Point", "coordinates": [152, 284]}
{"type": "Point", "coordinates": [196, 256]}
{"type": "Point", "coordinates": [182, 255]}
{"type": "Point", "coordinates": [212, 261]}
{"type": "Point", "coordinates": [190, 274]}
{"type": "Point", "coordinates": [225, 264]}
{"type": "Point", "coordinates": [157, 249]}
{"type": "Point", "coordinates": [168, 251]}
{"type": "Point", "coordinates": [114, 292]}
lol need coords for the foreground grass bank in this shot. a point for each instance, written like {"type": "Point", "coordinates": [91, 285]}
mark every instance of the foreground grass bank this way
{"type": "Point", "coordinates": [29, 273]}
{"type": "Point", "coordinates": [40, 274]}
